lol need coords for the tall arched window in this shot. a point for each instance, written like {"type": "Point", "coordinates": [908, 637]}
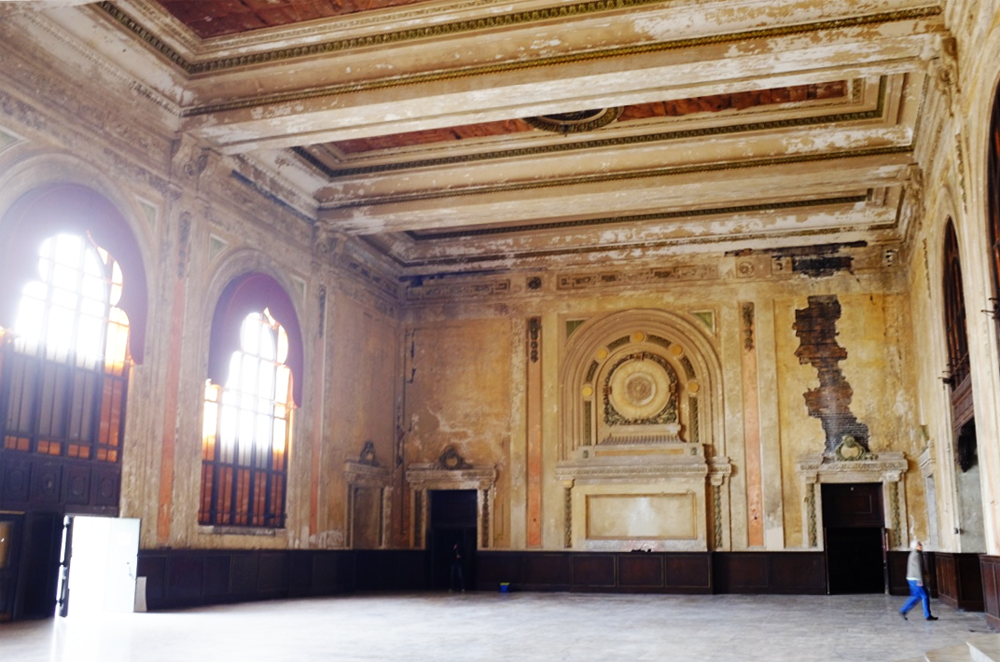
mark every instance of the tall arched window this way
{"type": "Point", "coordinates": [65, 357]}
{"type": "Point", "coordinates": [954, 311]}
{"type": "Point", "coordinates": [248, 406]}
{"type": "Point", "coordinates": [67, 341]}
{"type": "Point", "coordinates": [993, 199]}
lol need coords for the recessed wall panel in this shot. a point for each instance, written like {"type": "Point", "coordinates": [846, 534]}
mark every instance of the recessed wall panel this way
{"type": "Point", "coordinates": [642, 516]}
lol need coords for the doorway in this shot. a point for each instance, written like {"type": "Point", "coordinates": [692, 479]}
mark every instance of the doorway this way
{"type": "Point", "coordinates": [854, 533]}
{"type": "Point", "coordinates": [452, 523]}
{"type": "Point", "coordinates": [98, 565]}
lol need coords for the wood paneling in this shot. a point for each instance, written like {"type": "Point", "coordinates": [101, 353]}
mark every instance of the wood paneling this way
{"type": "Point", "coordinates": [688, 573]}
{"type": "Point", "coordinates": [184, 578]}
{"type": "Point", "coordinates": [30, 483]}
{"type": "Point", "coordinates": [989, 567]}
{"type": "Point", "coordinates": [959, 580]}
{"type": "Point", "coordinates": [801, 573]}
{"type": "Point", "coordinates": [852, 505]}
{"type": "Point", "coordinates": [623, 572]}
{"type": "Point", "coordinates": [640, 571]}
{"type": "Point", "coordinates": [547, 571]}
{"type": "Point", "coordinates": [593, 570]}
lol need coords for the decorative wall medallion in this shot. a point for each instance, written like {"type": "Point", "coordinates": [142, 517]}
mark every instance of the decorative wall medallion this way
{"type": "Point", "coordinates": [451, 460]}
{"type": "Point", "coordinates": [368, 454]}
{"type": "Point", "coordinates": [850, 450]}
{"type": "Point", "coordinates": [640, 389]}
{"type": "Point", "coordinates": [575, 122]}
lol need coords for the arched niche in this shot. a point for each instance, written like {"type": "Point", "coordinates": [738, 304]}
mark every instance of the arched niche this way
{"type": "Point", "coordinates": [641, 437]}
{"type": "Point", "coordinates": [645, 358]}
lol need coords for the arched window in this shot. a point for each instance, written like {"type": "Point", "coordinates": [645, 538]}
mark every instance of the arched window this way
{"type": "Point", "coordinates": [248, 406]}
{"type": "Point", "coordinates": [993, 200]}
{"type": "Point", "coordinates": [73, 288]}
{"type": "Point", "coordinates": [954, 311]}
{"type": "Point", "coordinates": [65, 358]}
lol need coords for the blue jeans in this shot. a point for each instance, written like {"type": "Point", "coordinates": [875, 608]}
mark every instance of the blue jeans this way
{"type": "Point", "coordinates": [917, 593]}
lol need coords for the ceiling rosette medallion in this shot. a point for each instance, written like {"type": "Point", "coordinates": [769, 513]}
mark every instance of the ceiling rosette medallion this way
{"type": "Point", "coordinates": [575, 122]}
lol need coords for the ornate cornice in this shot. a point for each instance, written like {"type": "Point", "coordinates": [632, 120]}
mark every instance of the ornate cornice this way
{"type": "Point", "coordinates": [617, 141]}
{"type": "Point", "coordinates": [559, 12]}
{"type": "Point", "coordinates": [432, 476]}
{"type": "Point", "coordinates": [644, 469]}
{"type": "Point", "coordinates": [644, 218]}
{"type": "Point", "coordinates": [887, 467]}
{"type": "Point", "coordinates": [465, 260]}
{"type": "Point", "coordinates": [600, 178]}
{"type": "Point", "coordinates": [366, 475]}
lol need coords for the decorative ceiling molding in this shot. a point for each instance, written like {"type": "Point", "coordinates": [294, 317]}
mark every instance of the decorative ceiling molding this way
{"type": "Point", "coordinates": [598, 178]}
{"type": "Point", "coordinates": [642, 218]}
{"type": "Point", "coordinates": [577, 122]}
{"type": "Point", "coordinates": [505, 20]}
{"type": "Point", "coordinates": [618, 141]}
{"type": "Point", "coordinates": [500, 21]}
{"type": "Point", "coordinates": [631, 247]}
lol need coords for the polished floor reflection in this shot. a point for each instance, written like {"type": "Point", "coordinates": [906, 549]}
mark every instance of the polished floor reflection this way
{"type": "Point", "coordinates": [526, 627]}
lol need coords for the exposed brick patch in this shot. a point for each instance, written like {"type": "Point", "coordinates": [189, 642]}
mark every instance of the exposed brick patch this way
{"type": "Point", "coordinates": [816, 328]}
{"type": "Point", "coordinates": [818, 267]}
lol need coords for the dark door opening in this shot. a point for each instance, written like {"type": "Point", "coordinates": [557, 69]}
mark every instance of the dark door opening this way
{"type": "Point", "coordinates": [452, 522]}
{"type": "Point", "coordinates": [854, 533]}
{"type": "Point", "coordinates": [10, 542]}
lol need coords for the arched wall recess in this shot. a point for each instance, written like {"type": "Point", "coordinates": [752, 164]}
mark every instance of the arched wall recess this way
{"type": "Point", "coordinates": [641, 457]}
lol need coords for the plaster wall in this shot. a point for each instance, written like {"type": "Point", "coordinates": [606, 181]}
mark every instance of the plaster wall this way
{"type": "Point", "coordinates": [418, 376]}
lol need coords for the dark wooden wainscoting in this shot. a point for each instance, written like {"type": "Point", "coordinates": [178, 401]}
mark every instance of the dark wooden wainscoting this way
{"type": "Point", "coordinates": [618, 572]}
{"type": "Point", "coordinates": [989, 566]}
{"type": "Point", "coordinates": [799, 573]}
{"type": "Point", "coordinates": [959, 580]}
{"type": "Point", "coordinates": [188, 578]}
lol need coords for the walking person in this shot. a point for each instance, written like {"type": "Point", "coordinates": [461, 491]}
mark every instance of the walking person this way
{"type": "Point", "coordinates": [915, 577]}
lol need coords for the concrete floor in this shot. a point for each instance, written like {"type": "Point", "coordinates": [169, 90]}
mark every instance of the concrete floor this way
{"type": "Point", "coordinates": [481, 627]}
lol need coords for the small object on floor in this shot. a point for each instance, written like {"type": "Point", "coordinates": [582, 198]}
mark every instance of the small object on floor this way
{"type": "Point", "coordinates": [932, 618]}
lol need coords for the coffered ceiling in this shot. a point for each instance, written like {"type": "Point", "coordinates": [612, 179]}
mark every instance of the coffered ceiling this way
{"type": "Point", "coordinates": [479, 134]}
